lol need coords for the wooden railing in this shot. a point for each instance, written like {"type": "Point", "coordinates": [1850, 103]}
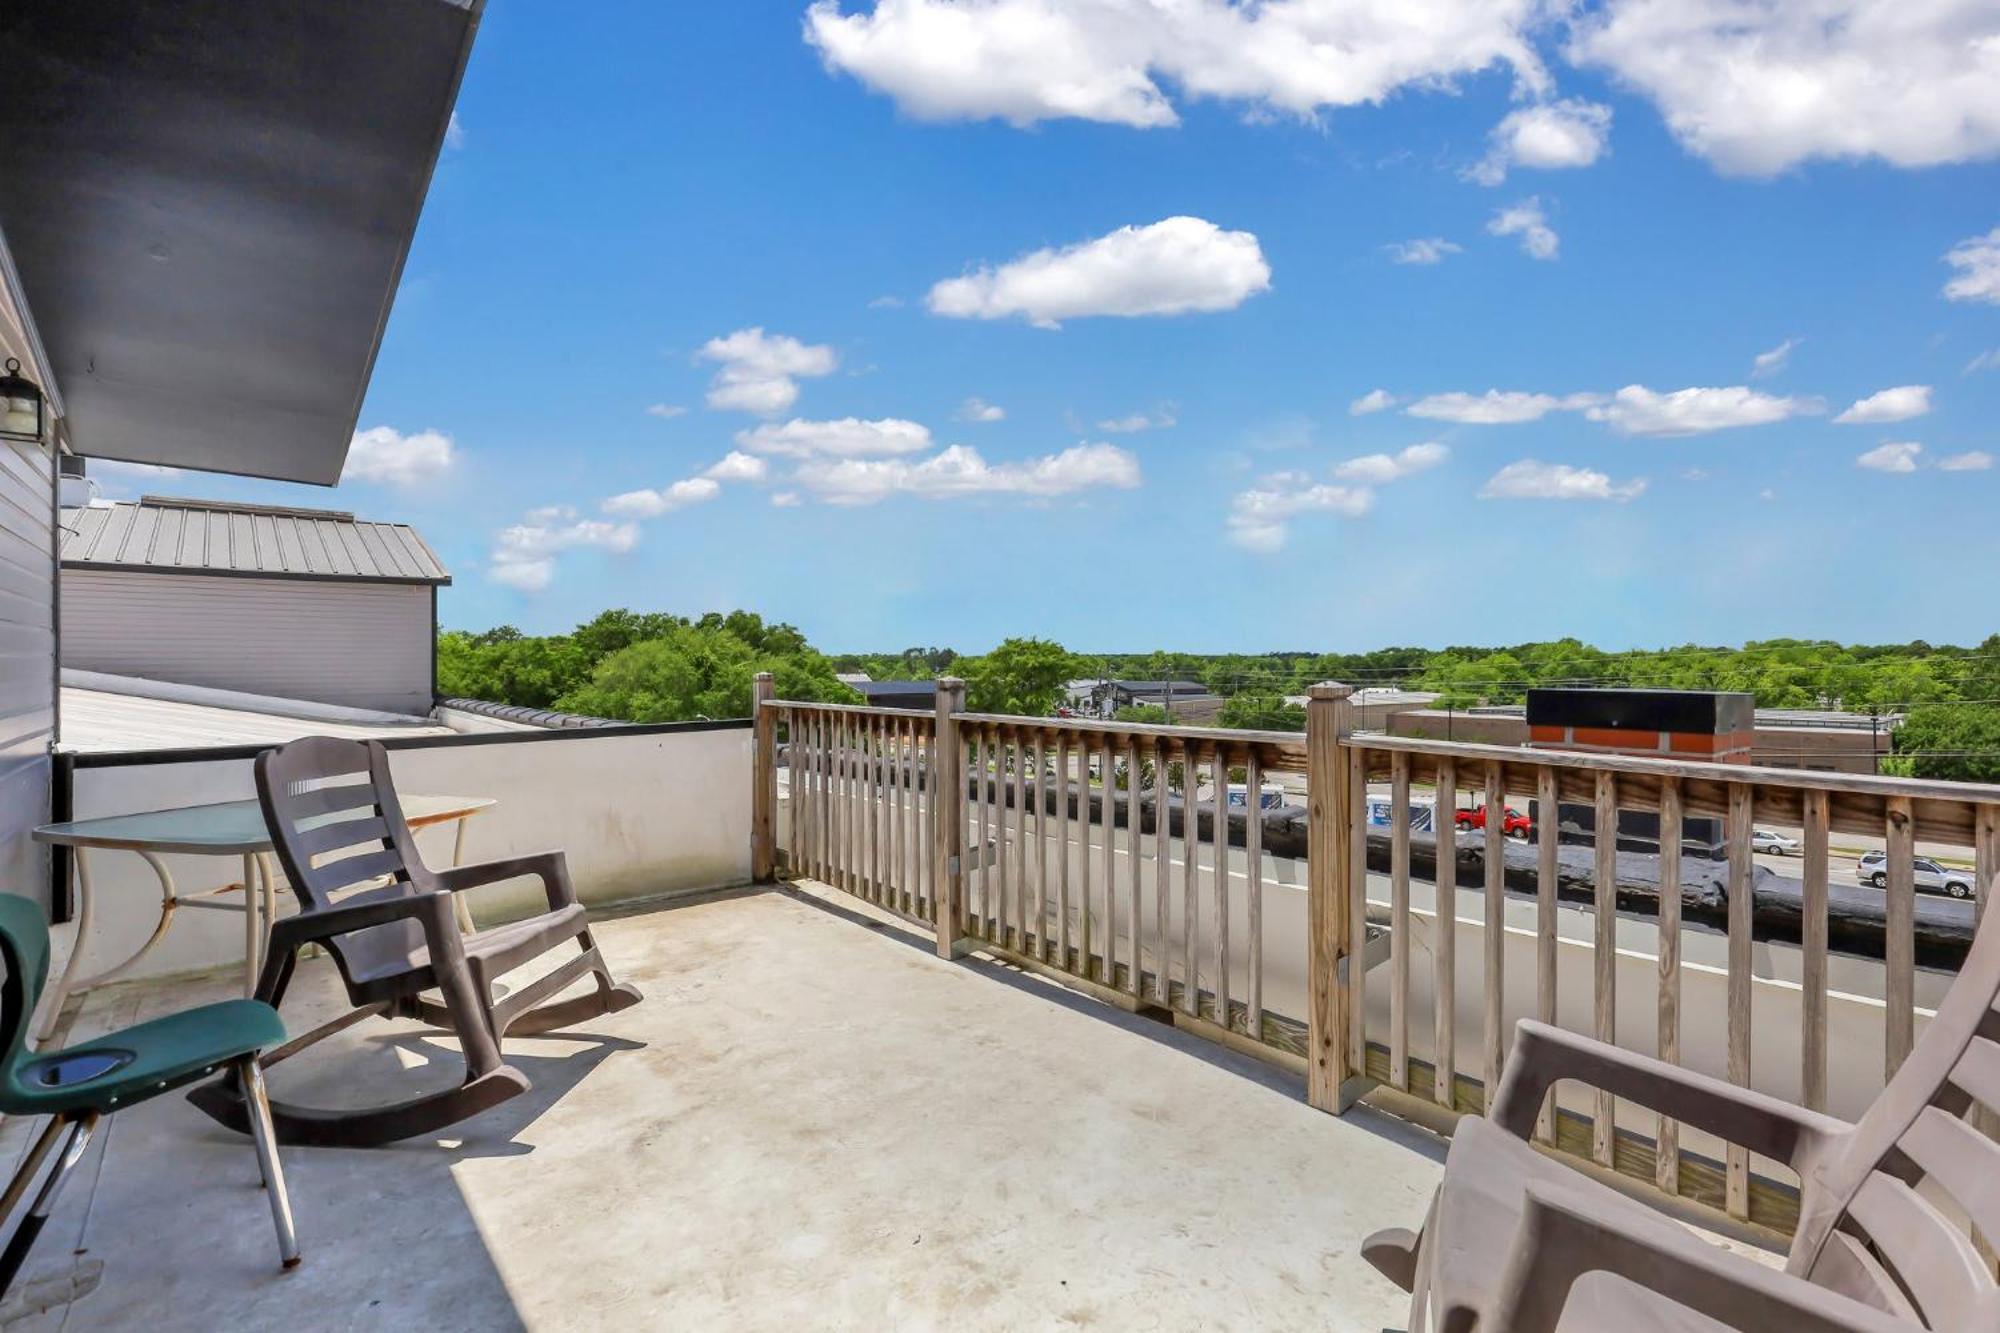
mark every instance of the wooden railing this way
{"type": "Point", "coordinates": [1109, 855]}
{"type": "Point", "coordinates": [860, 810]}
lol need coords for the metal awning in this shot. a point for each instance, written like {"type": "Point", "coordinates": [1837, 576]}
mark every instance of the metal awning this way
{"type": "Point", "coordinates": [208, 203]}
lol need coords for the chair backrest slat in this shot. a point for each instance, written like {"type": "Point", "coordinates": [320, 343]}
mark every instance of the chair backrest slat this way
{"type": "Point", "coordinates": [24, 940]}
{"type": "Point", "coordinates": [322, 795]}
{"type": "Point", "coordinates": [1864, 1191]}
{"type": "Point", "coordinates": [1932, 1259]}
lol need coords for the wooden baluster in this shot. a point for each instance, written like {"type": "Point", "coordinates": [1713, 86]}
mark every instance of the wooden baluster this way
{"type": "Point", "coordinates": [1399, 919]}
{"type": "Point", "coordinates": [1132, 857]}
{"type": "Point", "coordinates": [1812, 943]}
{"type": "Point", "coordinates": [1039, 813]}
{"type": "Point", "coordinates": [1162, 875]}
{"type": "Point", "coordinates": [1356, 880]}
{"type": "Point", "coordinates": [816, 757]}
{"type": "Point", "coordinates": [1604, 955]}
{"type": "Point", "coordinates": [1736, 830]}
{"type": "Point", "coordinates": [899, 874]}
{"type": "Point", "coordinates": [1667, 1134]}
{"type": "Point", "coordinates": [1024, 869]}
{"type": "Point", "coordinates": [851, 804]}
{"type": "Point", "coordinates": [836, 805]}
{"type": "Point", "coordinates": [1899, 945]}
{"type": "Point", "coordinates": [1444, 949]}
{"type": "Point", "coordinates": [874, 807]}
{"type": "Point", "coordinates": [1253, 881]}
{"type": "Point", "coordinates": [1006, 766]}
{"type": "Point", "coordinates": [1494, 931]}
{"type": "Point", "coordinates": [1220, 837]}
{"type": "Point", "coordinates": [1548, 837]}
{"type": "Point", "coordinates": [1190, 883]}
{"type": "Point", "coordinates": [1985, 856]}
{"type": "Point", "coordinates": [977, 761]}
{"type": "Point", "coordinates": [1062, 850]}
{"type": "Point", "coordinates": [1107, 771]}
{"type": "Point", "coordinates": [1083, 822]}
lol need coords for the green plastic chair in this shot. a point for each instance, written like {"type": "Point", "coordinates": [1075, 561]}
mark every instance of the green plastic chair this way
{"type": "Point", "coordinates": [79, 1085]}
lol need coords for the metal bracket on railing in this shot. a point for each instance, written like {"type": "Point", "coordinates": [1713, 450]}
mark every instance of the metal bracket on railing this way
{"type": "Point", "coordinates": [1374, 953]}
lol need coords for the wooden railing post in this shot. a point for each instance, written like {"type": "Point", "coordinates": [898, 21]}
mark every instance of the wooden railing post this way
{"type": "Point", "coordinates": [1329, 867]}
{"type": "Point", "coordinates": [764, 780]}
{"type": "Point", "coordinates": [947, 777]}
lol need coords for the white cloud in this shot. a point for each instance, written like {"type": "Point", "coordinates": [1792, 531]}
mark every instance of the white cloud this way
{"type": "Point", "coordinates": [1551, 135]}
{"type": "Point", "coordinates": [1986, 360]}
{"type": "Point", "coordinates": [1977, 258]}
{"type": "Point", "coordinates": [1424, 250]}
{"type": "Point", "coordinates": [1973, 460]}
{"type": "Point", "coordinates": [1162, 419]}
{"type": "Point", "coordinates": [978, 409]}
{"type": "Point", "coordinates": [1496, 407]}
{"type": "Point", "coordinates": [1770, 363]}
{"type": "Point", "coordinates": [886, 303]}
{"type": "Point", "coordinates": [1025, 61]}
{"type": "Point", "coordinates": [1897, 404]}
{"type": "Point", "coordinates": [386, 455]}
{"type": "Point", "coordinates": [737, 466]}
{"type": "Point", "coordinates": [454, 132]}
{"type": "Point", "coordinates": [665, 411]}
{"type": "Point", "coordinates": [1171, 267]}
{"type": "Point", "coordinates": [1375, 400]}
{"type": "Point", "coordinates": [760, 371]}
{"type": "Point", "coordinates": [1756, 87]}
{"type": "Point", "coordinates": [786, 500]}
{"type": "Point", "coordinates": [959, 471]}
{"type": "Point", "coordinates": [846, 437]}
{"type": "Point", "coordinates": [1897, 457]}
{"type": "Point", "coordinates": [1381, 469]}
{"type": "Point", "coordinates": [1637, 410]}
{"type": "Point", "coordinates": [1527, 220]}
{"type": "Point", "coordinates": [1533, 480]}
{"type": "Point", "coordinates": [653, 503]}
{"type": "Point", "coordinates": [524, 554]}
{"type": "Point", "coordinates": [1259, 519]}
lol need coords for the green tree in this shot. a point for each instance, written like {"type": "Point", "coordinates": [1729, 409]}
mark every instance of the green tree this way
{"type": "Point", "coordinates": [1262, 712]}
{"type": "Point", "coordinates": [1956, 743]}
{"type": "Point", "coordinates": [1022, 676]}
{"type": "Point", "coordinates": [697, 671]}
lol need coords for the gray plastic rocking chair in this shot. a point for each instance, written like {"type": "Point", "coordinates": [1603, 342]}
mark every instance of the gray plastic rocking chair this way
{"type": "Point", "coordinates": [396, 943]}
{"type": "Point", "coordinates": [1514, 1237]}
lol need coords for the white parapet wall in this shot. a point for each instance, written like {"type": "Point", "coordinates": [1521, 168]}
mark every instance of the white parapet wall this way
{"type": "Point", "coordinates": [639, 812]}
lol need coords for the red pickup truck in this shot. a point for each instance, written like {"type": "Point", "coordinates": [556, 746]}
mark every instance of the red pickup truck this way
{"type": "Point", "coordinates": [1513, 824]}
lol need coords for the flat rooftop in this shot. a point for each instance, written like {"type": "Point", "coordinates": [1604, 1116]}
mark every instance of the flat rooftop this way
{"type": "Point", "coordinates": [811, 1121]}
{"type": "Point", "coordinates": [99, 721]}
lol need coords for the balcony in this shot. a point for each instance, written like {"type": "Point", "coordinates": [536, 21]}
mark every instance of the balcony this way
{"type": "Point", "coordinates": [811, 1122]}
{"type": "Point", "coordinates": [1043, 1028]}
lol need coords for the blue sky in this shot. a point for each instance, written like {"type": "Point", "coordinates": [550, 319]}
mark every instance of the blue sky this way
{"type": "Point", "coordinates": [761, 222]}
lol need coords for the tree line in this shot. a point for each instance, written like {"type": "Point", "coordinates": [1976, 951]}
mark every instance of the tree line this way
{"type": "Point", "coordinates": [656, 667]}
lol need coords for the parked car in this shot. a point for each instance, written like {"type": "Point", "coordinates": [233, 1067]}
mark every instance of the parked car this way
{"type": "Point", "coordinates": [1514, 824]}
{"type": "Point", "coordinates": [1776, 844]}
{"type": "Point", "coordinates": [1931, 877]}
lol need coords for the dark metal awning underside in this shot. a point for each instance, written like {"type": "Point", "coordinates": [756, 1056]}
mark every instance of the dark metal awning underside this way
{"type": "Point", "coordinates": [208, 204]}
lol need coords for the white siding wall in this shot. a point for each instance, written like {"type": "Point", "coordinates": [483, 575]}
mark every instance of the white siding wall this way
{"type": "Point", "coordinates": [27, 659]}
{"type": "Point", "coordinates": [365, 645]}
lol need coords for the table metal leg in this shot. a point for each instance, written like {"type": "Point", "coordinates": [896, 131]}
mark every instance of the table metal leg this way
{"type": "Point", "coordinates": [70, 981]}
{"type": "Point", "coordinates": [459, 905]}
{"type": "Point", "coordinates": [253, 938]}
{"type": "Point", "coordinates": [52, 1005]}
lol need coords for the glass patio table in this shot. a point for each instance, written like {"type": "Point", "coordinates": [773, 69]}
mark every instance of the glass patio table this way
{"type": "Point", "coordinates": [227, 829]}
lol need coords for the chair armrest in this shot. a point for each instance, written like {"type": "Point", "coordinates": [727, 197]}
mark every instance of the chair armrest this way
{"type": "Point", "coordinates": [356, 913]}
{"type": "Point", "coordinates": [1544, 1055]}
{"type": "Point", "coordinates": [1567, 1232]}
{"type": "Point", "coordinates": [552, 868]}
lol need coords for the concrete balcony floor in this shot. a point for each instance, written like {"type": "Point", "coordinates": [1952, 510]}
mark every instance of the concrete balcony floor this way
{"type": "Point", "coordinates": [812, 1121]}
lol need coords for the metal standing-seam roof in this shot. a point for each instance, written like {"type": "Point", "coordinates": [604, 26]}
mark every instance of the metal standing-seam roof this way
{"type": "Point", "coordinates": [162, 534]}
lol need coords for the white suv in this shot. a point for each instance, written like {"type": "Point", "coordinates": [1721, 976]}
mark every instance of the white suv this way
{"type": "Point", "coordinates": [1931, 877]}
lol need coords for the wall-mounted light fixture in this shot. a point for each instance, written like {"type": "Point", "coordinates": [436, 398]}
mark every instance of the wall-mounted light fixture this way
{"type": "Point", "coordinates": [23, 409]}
